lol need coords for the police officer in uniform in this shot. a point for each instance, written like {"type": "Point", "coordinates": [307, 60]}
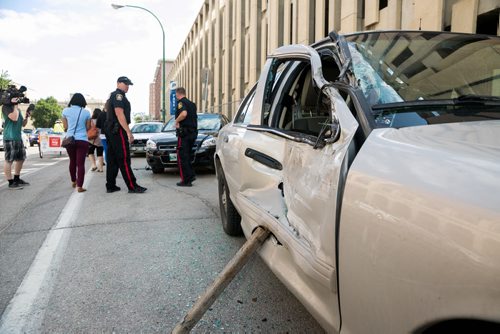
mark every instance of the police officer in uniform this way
{"type": "Point", "coordinates": [186, 123]}
{"type": "Point", "coordinates": [119, 136]}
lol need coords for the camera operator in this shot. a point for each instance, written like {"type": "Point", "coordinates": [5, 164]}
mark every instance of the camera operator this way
{"type": "Point", "coordinates": [13, 141]}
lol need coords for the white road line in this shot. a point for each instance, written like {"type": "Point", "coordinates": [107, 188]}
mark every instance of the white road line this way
{"type": "Point", "coordinates": [26, 310]}
{"type": "Point", "coordinates": [45, 164]}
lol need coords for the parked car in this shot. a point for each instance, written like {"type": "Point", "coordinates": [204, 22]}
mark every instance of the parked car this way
{"type": "Point", "coordinates": [142, 132]}
{"type": "Point", "coordinates": [161, 148]}
{"type": "Point", "coordinates": [374, 160]}
{"type": "Point", "coordinates": [35, 134]}
{"type": "Point", "coordinates": [26, 139]}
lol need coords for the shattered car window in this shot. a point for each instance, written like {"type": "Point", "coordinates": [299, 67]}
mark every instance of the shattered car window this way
{"type": "Point", "coordinates": [419, 78]}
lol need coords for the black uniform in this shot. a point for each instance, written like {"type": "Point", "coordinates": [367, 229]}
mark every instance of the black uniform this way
{"type": "Point", "coordinates": [118, 155]}
{"type": "Point", "coordinates": [186, 137]}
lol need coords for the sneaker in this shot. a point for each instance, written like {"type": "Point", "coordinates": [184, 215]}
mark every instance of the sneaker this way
{"type": "Point", "coordinates": [113, 189]}
{"type": "Point", "coordinates": [15, 186]}
{"type": "Point", "coordinates": [184, 184]}
{"type": "Point", "coordinates": [81, 190]}
{"type": "Point", "coordinates": [23, 183]}
{"type": "Point", "coordinates": [137, 190]}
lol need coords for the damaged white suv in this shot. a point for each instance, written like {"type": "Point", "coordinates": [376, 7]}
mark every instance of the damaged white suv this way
{"type": "Point", "coordinates": [374, 160]}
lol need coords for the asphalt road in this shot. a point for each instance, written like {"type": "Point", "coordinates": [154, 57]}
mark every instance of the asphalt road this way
{"type": "Point", "coordinates": [126, 263]}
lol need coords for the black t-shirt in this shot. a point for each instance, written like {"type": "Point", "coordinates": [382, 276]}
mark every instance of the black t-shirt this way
{"type": "Point", "coordinates": [100, 120]}
{"type": "Point", "coordinates": [191, 120]}
{"type": "Point", "coordinates": [118, 99]}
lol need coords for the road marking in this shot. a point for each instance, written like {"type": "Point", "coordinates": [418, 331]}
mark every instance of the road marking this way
{"type": "Point", "coordinates": [26, 310]}
{"type": "Point", "coordinates": [45, 164]}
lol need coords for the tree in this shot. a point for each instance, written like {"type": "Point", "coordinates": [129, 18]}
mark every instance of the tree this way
{"type": "Point", "coordinates": [46, 113]}
{"type": "Point", "coordinates": [141, 117]}
{"type": "Point", "coordinates": [4, 79]}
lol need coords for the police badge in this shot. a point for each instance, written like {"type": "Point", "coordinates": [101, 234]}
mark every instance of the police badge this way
{"type": "Point", "coordinates": [119, 97]}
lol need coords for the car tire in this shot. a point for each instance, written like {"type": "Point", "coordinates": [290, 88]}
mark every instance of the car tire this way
{"type": "Point", "coordinates": [231, 219]}
{"type": "Point", "coordinates": [157, 170]}
{"type": "Point", "coordinates": [31, 144]}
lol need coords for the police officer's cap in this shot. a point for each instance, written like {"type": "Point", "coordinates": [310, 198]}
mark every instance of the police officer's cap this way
{"type": "Point", "coordinates": [125, 80]}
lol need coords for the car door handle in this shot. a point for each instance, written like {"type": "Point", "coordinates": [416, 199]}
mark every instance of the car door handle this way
{"type": "Point", "coordinates": [263, 159]}
{"type": "Point", "coordinates": [225, 139]}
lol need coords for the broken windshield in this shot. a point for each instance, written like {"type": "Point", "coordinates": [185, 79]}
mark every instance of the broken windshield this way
{"type": "Point", "coordinates": [409, 72]}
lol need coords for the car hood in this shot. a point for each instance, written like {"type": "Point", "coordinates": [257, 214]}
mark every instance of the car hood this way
{"type": "Point", "coordinates": [170, 136]}
{"type": "Point", "coordinates": [454, 163]}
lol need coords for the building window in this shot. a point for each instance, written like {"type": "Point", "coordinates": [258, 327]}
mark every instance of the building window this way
{"type": "Point", "coordinates": [327, 10]}
{"type": "Point", "coordinates": [382, 4]}
{"type": "Point", "coordinates": [291, 24]}
{"type": "Point", "coordinates": [487, 23]}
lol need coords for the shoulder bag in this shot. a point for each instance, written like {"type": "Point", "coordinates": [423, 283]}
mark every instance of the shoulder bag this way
{"type": "Point", "coordinates": [92, 133]}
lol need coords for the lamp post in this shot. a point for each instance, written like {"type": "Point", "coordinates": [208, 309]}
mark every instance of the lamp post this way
{"type": "Point", "coordinates": [163, 59]}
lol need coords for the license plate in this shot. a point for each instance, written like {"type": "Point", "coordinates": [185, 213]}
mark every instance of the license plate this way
{"type": "Point", "coordinates": [172, 156]}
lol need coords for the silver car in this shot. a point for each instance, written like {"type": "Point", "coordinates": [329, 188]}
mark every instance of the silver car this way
{"type": "Point", "coordinates": [374, 160]}
{"type": "Point", "coordinates": [142, 133]}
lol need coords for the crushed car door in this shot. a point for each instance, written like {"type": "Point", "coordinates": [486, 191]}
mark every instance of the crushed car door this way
{"type": "Point", "coordinates": [296, 159]}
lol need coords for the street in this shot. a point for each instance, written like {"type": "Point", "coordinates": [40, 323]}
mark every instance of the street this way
{"type": "Point", "coordinates": [126, 263]}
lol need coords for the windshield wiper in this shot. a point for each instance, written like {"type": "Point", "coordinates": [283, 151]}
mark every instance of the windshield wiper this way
{"type": "Point", "coordinates": [471, 98]}
{"type": "Point", "coordinates": [461, 100]}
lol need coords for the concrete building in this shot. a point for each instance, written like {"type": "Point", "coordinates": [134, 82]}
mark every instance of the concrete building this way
{"type": "Point", "coordinates": [223, 53]}
{"type": "Point", "coordinates": [155, 90]}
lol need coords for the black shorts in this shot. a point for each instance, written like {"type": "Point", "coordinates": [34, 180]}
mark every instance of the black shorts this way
{"type": "Point", "coordinates": [93, 148]}
{"type": "Point", "coordinates": [14, 150]}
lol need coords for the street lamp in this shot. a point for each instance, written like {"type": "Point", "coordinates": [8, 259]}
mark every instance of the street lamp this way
{"type": "Point", "coordinates": [163, 59]}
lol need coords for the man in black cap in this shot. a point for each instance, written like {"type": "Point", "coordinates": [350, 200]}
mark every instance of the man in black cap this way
{"type": "Point", "coordinates": [119, 136]}
{"type": "Point", "coordinates": [186, 123]}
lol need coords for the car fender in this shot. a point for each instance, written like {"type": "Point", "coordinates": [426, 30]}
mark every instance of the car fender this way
{"type": "Point", "coordinates": [419, 235]}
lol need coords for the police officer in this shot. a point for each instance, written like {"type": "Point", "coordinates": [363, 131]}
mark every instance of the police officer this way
{"type": "Point", "coordinates": [119, 136]}
{"type": "Point", "coordinates": [186, 123]}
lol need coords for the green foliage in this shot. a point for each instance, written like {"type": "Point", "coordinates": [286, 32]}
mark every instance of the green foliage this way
{"type": "Point", "coordinates": [4, 79]}
{"type": "Point", "coordinates": [141, 118]}
{"type": "Point", "coordinates": [46, 113]}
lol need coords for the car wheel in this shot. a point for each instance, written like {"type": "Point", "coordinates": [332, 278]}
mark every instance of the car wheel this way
{"type": "Point", "coordinates": [231, 219]}
{"type": "Point", "coordinates": [157, 170]}
{"type": "Point", "coordinates": [31, 144]}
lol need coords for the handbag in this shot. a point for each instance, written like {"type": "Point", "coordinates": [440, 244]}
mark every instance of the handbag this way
{"type": "Point", "coordinates": [92, 133]}
{"type": "Point", "coordinates": [70, 140]}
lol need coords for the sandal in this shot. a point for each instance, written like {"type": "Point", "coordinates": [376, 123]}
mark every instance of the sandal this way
{"type": "Point", "coordinates": [100, 170]}
{"type": "Point", "coordinates": [73, 184]}
{"type": "Point", "coordinates": [81, 190]}
{"type": "Point", "coordinates": [93, 169]}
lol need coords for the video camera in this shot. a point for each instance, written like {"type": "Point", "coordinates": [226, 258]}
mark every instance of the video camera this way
{"type": "Point", "coordinates": [13, 92]}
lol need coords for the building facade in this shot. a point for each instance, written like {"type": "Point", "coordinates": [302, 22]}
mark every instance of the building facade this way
{"type": "Point", "coordinates": [223, 53]}
{"type": "Point", "coordinates": [155, 90]}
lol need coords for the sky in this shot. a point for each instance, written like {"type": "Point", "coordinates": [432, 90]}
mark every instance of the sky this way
{"type": "Point", "coordinates": [60, 47]}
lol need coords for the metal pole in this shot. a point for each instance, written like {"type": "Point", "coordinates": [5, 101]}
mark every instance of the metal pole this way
{"type": "Point", "coordinates": [163, 59]}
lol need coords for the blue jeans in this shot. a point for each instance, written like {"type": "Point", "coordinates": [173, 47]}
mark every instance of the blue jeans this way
{"type": "Point", "coordinates": [105, 146]}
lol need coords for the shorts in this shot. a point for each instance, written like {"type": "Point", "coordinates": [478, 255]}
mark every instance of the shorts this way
{"type": "Point", "coordinates": [14, 150]}
{"type": "Point", "coordinates": [93, 148]}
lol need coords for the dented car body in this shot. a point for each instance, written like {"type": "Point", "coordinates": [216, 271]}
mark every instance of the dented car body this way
{"type": "Point", "coordinates": [374, 160]}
